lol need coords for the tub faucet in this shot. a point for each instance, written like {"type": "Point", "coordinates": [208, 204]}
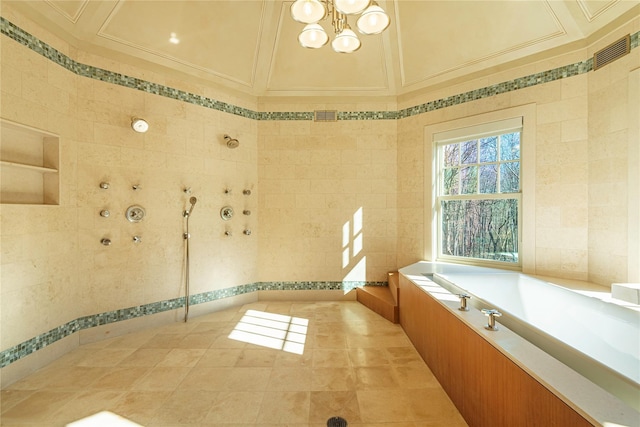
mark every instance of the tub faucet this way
{"type": "Point", "coordinates": [493, 313]}
{"type": "Point", "coordinates": [463, 302]}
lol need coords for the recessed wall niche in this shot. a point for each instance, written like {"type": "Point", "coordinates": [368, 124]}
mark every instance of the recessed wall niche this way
{"type": "Point", "coordinates": [29, 161]}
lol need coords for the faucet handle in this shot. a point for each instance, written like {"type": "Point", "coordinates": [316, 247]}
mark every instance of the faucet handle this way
{"type": "Point", "coordinates": [492, 313]}
{"type": "Point", "coordinates": [463, 301]}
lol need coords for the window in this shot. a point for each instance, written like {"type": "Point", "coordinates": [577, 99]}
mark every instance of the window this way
{"type": "Point", "coordinates": [478, 200]}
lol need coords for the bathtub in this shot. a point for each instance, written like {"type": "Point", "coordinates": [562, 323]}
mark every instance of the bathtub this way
{"type": "Point", "coordinates": [600, 340]}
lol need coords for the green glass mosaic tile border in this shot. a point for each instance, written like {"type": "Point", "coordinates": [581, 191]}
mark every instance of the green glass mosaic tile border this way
{"type": "Point", "coordinates": [41, 341]}
{"type": "Point", "coordinates": [19, 35]}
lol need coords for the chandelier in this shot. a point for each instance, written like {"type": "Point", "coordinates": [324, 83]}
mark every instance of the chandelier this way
{"type": "Point", "coordinates": [372, 20]}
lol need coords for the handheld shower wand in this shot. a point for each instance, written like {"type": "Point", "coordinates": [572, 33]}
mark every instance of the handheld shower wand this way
{"type": "Point", "coordinates": [187, 236]}
{"type": "Point", "coordinates": [187, 212]}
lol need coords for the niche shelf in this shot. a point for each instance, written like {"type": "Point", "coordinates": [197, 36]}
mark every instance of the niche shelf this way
{"type": "Point", "coordinates": [29, 160]}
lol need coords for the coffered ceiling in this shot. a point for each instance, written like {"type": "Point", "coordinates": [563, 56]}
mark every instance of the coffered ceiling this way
{"type": "Point", "coordinates": [251, 45]}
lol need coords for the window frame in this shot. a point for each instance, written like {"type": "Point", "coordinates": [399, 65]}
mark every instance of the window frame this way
{"type": "Point", "coordinates": [463, 129]}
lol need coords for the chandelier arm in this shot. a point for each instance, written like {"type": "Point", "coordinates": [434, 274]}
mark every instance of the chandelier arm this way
{"type": "Point", "coordinates": [338, 20]}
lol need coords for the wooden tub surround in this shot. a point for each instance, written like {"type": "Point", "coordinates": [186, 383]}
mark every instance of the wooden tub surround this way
{"type": "Point", "coordinates": [480, 370]}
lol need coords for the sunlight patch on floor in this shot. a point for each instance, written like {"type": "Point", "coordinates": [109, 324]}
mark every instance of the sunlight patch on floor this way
{"type": "Point", "coordinates": [272, 330]}
{"type": "Point", "coordinates": [104, 419]}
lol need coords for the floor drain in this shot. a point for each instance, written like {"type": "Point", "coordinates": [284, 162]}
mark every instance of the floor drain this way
{"type": "Point", "coordinates": [336, 422]}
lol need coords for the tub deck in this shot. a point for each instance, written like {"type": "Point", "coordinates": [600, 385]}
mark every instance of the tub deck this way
{"type": "Point", "coordinates": [596, 405]}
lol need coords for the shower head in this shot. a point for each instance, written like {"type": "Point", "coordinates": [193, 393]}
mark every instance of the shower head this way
{"type": "Point", "coordinates": [231, 142]}
{"type": "Point", "coordinates": [193, 201]}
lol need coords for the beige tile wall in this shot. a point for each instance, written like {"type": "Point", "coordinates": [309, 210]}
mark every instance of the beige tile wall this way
{"type": "Point", "coordinates": [318, 183]}
{"type": "Point", "coordinates": [54, 268]}
{"type": "Point", "coordinates": [581, 164]}
{"type": "Point", "coordinates": [611, 141]}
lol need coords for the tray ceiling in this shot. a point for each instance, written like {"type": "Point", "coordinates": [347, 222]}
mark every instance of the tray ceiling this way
{"type": "Point", "coordinates": [251, 45]}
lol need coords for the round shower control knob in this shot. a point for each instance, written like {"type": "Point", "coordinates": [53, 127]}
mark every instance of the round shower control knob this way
{"type": "Point", "coordinates": [135, 213]}
{"type": "Point", "coordinates": [226, 213]}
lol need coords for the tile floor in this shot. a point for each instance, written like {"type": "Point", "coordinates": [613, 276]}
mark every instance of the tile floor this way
{"type": "Point", "coordinates": [241, 367]}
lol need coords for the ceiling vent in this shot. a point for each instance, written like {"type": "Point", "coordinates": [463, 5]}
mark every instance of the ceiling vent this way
{"type": "Point", "coordinates": [614, 51]}
{"type": "Point", "coordinates": [325, 115]}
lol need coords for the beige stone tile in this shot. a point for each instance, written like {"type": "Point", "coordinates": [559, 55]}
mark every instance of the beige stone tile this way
{"type": "Point", "coordinates": [223, 341]}
{"type": "Point", "coordinates": [293, 360]}
{"type": "Point", "coordinates": [415, 376]}
{"type": "Point", "coordinates": [374, 378]}
{"type": "Point", "coordinates": [404, 355]}
{"type": "Point", "coordinates": [363, 357]}
{"type": "Point", "coordinates": [215, 357]}
{"type": "Point", "coordinates": [227, 379]}
{"type": "Point", "coordinates": [35, 381]}
{"type": "Point", "coordinates": [325, 340]}
{"type": "Point", "coordinates": [236, 407]}
{"type": "Point", "coordinates": [161, 378]}
{"type": "Point", "coordinates": [257, 358]}
{"type": "Point", "coordinates": [140, 406]}
{"type": "Point", "coordinates": [85, 404]}
{"type": "Point", "coordinates": [432, 405]}
{"type": "Point", "coordinates": [400, 424]}
{"type": "Point", "coordinates": [75, 378]}
{"type": "Point", "coordinates": [213, 328]}
{"type": "Point", "coordinates": [186, 407]}
{"type": "Point", "coordinates": [131, 340]}
{"type": "Point", "coordinates": [376, 406]}
{"type": "Point", "coordinates": [324, 379]}
{"type": "Point", "coordinates": [284, 407]}
{"type": "Point", "coordinates": [38, 407]}
{"type": "Point", "coordinates": [290, 379]}
{"type": "Point", "coordinates": [163, 341]}
{"type": "Point", "coordinates": [327, 328]}
{"type": "Point", "coordinates": [72, 358]}
{"type": "Point", "coordinates": [105, 357]}
{"type": "Point", "coordinates": [120, 378]}
{"type": "Point", "coordinates": [378, 341]}
{"type": "Point", "coordinates": [330, 358]}
{"type": "Point", "coordinates": [180, 357]}
{"type": "Point", "coordinates": [287, 425]}
{"type": "Point", "coordinates": [327, 404]}
{"type": "Point", "coordinates": [145, 357]}
{"type": "Point", "coordinates": [9, 398]}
